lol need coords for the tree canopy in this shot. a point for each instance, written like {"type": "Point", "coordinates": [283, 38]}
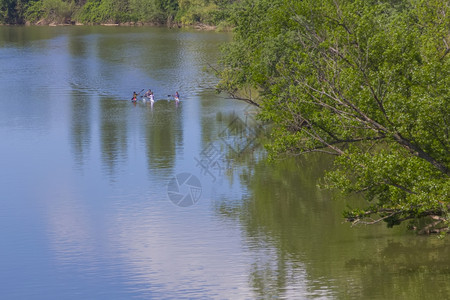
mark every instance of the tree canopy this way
{"type": "Point", "coordinates": [182, 12]}
{"type": "Point", "coordinates": [365, 81]}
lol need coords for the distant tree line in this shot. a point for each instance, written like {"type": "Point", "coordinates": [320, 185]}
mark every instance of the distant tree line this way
{"type": "Point", "coordinates": [183, 12]}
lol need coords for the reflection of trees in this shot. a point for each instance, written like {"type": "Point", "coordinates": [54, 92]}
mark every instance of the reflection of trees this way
{"type": "Point", "coordinates": [420, 266]}
{"type": "Point", "coordinates": [221, 112]}
{"type": "Point", "coordinates": [297, 235]}
{"type": "Point", "coordinates": [233, 129]}
{"type": "Point", "coordinates": [139, 49]}
{"type": "Point", "coordinates": [113, 133]}
{"type": "Point", "coordinates": [81, 103]}
{"type": "Point", "coordinates": [284, 208]}
{"type": "Point", "coordinates": [77, 46]}
{"type": "Point", "coordinates": [22, 35]}
{"type": "Point", "coordinates": [269, 278]}
{"type": "Point", "coordinates": [164, 135]}
{"type": "Point", "coordinates": [81, 127]}
{"type": "Point", "coordinates": [227, 139]}
{"type": "Point", "coordinates": [221, 120]}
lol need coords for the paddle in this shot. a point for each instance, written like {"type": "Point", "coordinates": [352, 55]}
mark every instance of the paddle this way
{"type": "Point", "coordinates": [137, 94]}
{"type": "Point", "coordinates": [176, 97]}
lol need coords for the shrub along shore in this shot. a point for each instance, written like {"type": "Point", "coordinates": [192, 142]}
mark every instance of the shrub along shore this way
{"type": "Point", "coordinates": [200, 14]}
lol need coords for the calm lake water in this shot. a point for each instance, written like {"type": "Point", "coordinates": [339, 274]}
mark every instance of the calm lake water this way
{"type": "Point", "coordinates": [105, 199]}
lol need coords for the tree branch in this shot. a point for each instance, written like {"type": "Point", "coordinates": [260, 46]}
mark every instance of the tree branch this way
{"type": "Point", "coordinates": [248, 100]}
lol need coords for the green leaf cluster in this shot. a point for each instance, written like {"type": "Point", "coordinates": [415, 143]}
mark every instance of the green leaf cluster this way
{"type": "Point", "coordinates": [366, 81]}
{"type": "Point", "coordinates": [105, 11]}
{"type": "Point", "coordinates": [12, 11]}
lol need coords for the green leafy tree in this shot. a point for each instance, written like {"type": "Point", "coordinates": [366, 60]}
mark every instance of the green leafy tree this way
{"type": "Point", "coordinates": [115, 11]}
{"type": "Point", "coordinates": [105, 11]}
{"type": "Point", "coordinates": [11, 11]}
{"type": "Point", "coordinates": [7, 10]}
{"type": "Point", "coordinates": [169, 7]}
{"type": "Point", "coordinates": [366, 81]}
{"type": "Point", "coordinates": [147, 10]}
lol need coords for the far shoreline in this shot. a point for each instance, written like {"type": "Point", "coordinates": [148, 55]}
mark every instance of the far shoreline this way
{"type": "Point", "coordinates": [197, 26]}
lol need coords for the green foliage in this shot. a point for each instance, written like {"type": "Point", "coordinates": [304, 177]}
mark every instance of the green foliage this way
{"type": "Point", "coordinates": [201, 11]}
{"type": "Point", "coordinates": [91, 13]}
{"type": "Point", "coordinates": [147, 11]}
{"type": "Point", "coordinates": [104, 11]}
{"type": "Point", "coordinates": [51, 10]}
{"type": "Point", "coordinates": [57, 10]}
{"type": "Point", "coordinates": [366, 81]}
{"type": "Point", "coordinates": [34, 11]}
{"type": "Point", "coordinates": [117, 11]}
{"type": "Point", "coordinates": [18, 11]}
{"type": "Point", "coordinates": [12, 11]}
{"type": "Point", "coordinates": [6, 9]}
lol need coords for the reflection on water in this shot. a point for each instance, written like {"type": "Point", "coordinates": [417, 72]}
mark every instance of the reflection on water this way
{"type": "Point", "coordinates": [81, 130]}
{"type": "Point", "coordinates": [85, 211]}
{"type": "Point", "coordinates": [164, 135]}
{"type": "Point", "coordinates": [285, 210]}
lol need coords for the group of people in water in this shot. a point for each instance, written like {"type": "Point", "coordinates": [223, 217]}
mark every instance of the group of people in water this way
{"type": "Point", "coordinates": [149, 95]}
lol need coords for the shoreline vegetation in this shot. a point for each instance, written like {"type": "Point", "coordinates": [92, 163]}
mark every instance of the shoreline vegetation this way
{"type": "Point", "coordinates": [197, 26]}
{"type": "Point", "coordinates": [198, 14]}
